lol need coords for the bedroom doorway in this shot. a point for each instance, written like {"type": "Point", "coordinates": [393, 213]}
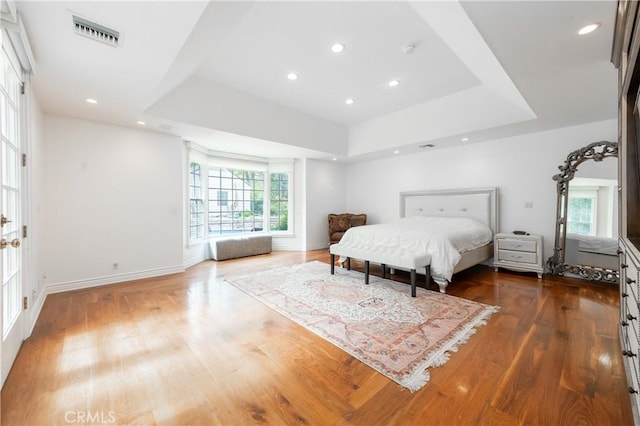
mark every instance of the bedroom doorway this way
{"type": "Point", "coordinates": [12, 318]}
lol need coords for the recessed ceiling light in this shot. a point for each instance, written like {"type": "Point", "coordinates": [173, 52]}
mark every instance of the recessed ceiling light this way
{"type": "Point", "coordinates": [349, 101]}
{"type": "Point", "coordinates": [394, 83]}
{"type": "Point", "coordinates": [464, 139]}
{"type": "Point", "coordinates": [142, 123]}
{"type": "Point", "coordinates": [334, 159]}
{"type": "Point", "coordinates": [337, 48]}
{"type": "Point", "coordinates": [396, 152]}
{"type": "Point", "coordinates": [588, 29]}
{"type": "Point", "coordinates": [91, 101]}
{"type": "Point", "coordinates": [292, 76]}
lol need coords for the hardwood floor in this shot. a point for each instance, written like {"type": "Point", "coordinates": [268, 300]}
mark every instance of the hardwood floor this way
{"type": "Point", "coordinates": [191, 349]}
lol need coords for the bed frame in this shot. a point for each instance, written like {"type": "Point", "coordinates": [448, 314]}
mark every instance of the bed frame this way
{"type": "Point", "coordinates": [476, 203]}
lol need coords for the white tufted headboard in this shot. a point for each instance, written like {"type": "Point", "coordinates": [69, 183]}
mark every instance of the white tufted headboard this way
{"type": "Point", "coordinates": [477, 203]}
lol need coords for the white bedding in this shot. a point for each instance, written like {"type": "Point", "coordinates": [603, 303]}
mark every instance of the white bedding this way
{"type": "Point", "coordinates": [442, 237]}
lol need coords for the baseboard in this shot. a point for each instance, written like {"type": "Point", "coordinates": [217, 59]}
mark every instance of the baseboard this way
{"type": "Point", "coordinates": [35, 311]}
{"type": "Point", "coordinates": [195, 260]}
{"type": "Point", "coordinates": [318, 246]}
{"type": "Point", "coordinates": [111, 279]}
{"type": "Point", "coordinates": [278, 246]}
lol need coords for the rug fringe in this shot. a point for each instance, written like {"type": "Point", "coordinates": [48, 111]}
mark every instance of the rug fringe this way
{"type": "Point", "coordinates": [421, 376]}
{"type": "Point", "coordinates": [417, 381]}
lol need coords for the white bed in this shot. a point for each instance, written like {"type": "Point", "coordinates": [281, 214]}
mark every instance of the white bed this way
{"type": "Point", "coordinates": [469, 217]}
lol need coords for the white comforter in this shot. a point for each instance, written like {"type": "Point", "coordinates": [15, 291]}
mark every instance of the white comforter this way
{"type": "Point", "coordinates": [442, 237]}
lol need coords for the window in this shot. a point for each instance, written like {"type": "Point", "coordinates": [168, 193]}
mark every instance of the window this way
{"type": "Point", "coordinates": [279, 202]}
{"type": "Point", "coordinates": [581, 212]}
{"type": "Point", "coordinates": [196, 203]}
{"type": "Point", "coordinates": [236, 200]}
{"type": "Point", "coordinates": [238, 195]}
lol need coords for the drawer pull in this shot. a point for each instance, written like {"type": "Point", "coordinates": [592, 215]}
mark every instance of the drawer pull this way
{"type": "Point", "coordinates": [632, 390]}
{"type": "Point", "coordinates": [630, 281]}
{"type": "Point", "coordinates": [624, 323]}
{"type": "Point", "coordinates": [624, 295]}
{"type": "Point", "coordinates": [624, 265]}
{"type": "Point", "coordinates": [628, 353]}
{"type": "Point", "coordinates": [619, 251]}
{"type": "Point", "coordinates": [631, 317]}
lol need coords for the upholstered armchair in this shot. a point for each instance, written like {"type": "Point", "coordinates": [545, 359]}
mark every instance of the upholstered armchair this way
{"type": "Point", "coordinates": [339, 223]}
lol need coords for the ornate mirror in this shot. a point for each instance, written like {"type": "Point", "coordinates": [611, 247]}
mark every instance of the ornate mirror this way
{"type": "Point", "coordinates": [578, 249]}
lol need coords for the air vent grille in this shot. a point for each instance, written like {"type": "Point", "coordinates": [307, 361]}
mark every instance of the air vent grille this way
{"type": "Point", "coordinates": [95, 31]}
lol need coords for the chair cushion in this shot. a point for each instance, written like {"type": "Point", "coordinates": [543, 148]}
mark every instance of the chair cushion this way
{"type": "Point", "coordinates": [358, 219]}
{"type": "Point", "coordinates": [337, 236]}
{"type": "Point", "coordinates": [339, 223]}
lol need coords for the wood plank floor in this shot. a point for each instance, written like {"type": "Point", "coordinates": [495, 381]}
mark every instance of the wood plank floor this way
{"type": "Point", "coordinates": [191, 349]}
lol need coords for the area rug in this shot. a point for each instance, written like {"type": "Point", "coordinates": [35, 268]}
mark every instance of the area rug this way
{"type": "Point", "coordinates": [380, 324]}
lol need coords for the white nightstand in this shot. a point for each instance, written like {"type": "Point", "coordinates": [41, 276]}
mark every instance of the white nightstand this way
{"type": "Point", "coordinates": [518, 253]}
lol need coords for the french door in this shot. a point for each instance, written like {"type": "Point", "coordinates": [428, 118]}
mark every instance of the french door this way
{"type": "Point", "coordinates": [10, 212]}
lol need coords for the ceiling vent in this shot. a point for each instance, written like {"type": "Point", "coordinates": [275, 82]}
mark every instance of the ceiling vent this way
{"type": "Point", "coordinates": [95, 31]}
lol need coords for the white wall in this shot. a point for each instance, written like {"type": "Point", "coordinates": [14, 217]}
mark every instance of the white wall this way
{"type": "Point", "coordinates": [110, 197]}
{"type": "Point", "coordinates": [195, 253]}
{"type": "Point", "coordinates": [325, 193]}
{"type": "Point", "coordinates": [521, 166]}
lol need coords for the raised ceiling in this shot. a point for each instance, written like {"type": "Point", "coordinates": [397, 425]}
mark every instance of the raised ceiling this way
{"type": "Point", "coordinates": [272, 39]}
{"type": "Point", "coordinates": [216, 72]}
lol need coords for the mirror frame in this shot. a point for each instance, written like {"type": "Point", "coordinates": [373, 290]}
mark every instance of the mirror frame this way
{"type": "Point", "coordinates": [596, 151]}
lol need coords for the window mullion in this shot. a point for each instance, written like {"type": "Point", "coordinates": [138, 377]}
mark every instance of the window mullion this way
{"type": "Point", "coordinates": [266, 215]}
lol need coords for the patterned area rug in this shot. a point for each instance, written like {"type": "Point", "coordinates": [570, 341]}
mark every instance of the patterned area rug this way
{"type": "Point", "coordinates": [380, 324]}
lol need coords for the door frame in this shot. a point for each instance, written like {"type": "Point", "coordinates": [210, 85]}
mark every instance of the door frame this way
{"type": "Point", "coordinates": [23, 329]}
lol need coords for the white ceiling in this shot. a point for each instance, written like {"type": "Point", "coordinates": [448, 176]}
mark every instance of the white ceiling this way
{"type": "Point", "coordinates": [275, 38]}
{"type": "Point", "coordinates": [215, 72]}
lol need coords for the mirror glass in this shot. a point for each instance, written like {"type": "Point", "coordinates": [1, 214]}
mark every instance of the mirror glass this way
{"type": "Point", "coordinates": [593, 207]}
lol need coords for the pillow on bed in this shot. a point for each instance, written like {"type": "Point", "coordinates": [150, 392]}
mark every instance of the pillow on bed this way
{"type": "Point", "coordinates": [464, 233]}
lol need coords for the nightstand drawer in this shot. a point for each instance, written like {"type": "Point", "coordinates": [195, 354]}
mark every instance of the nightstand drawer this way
{"type": "Point", "coordinates": [519, 245]}
{"type": "Point", "coordinates": [517, 256]}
